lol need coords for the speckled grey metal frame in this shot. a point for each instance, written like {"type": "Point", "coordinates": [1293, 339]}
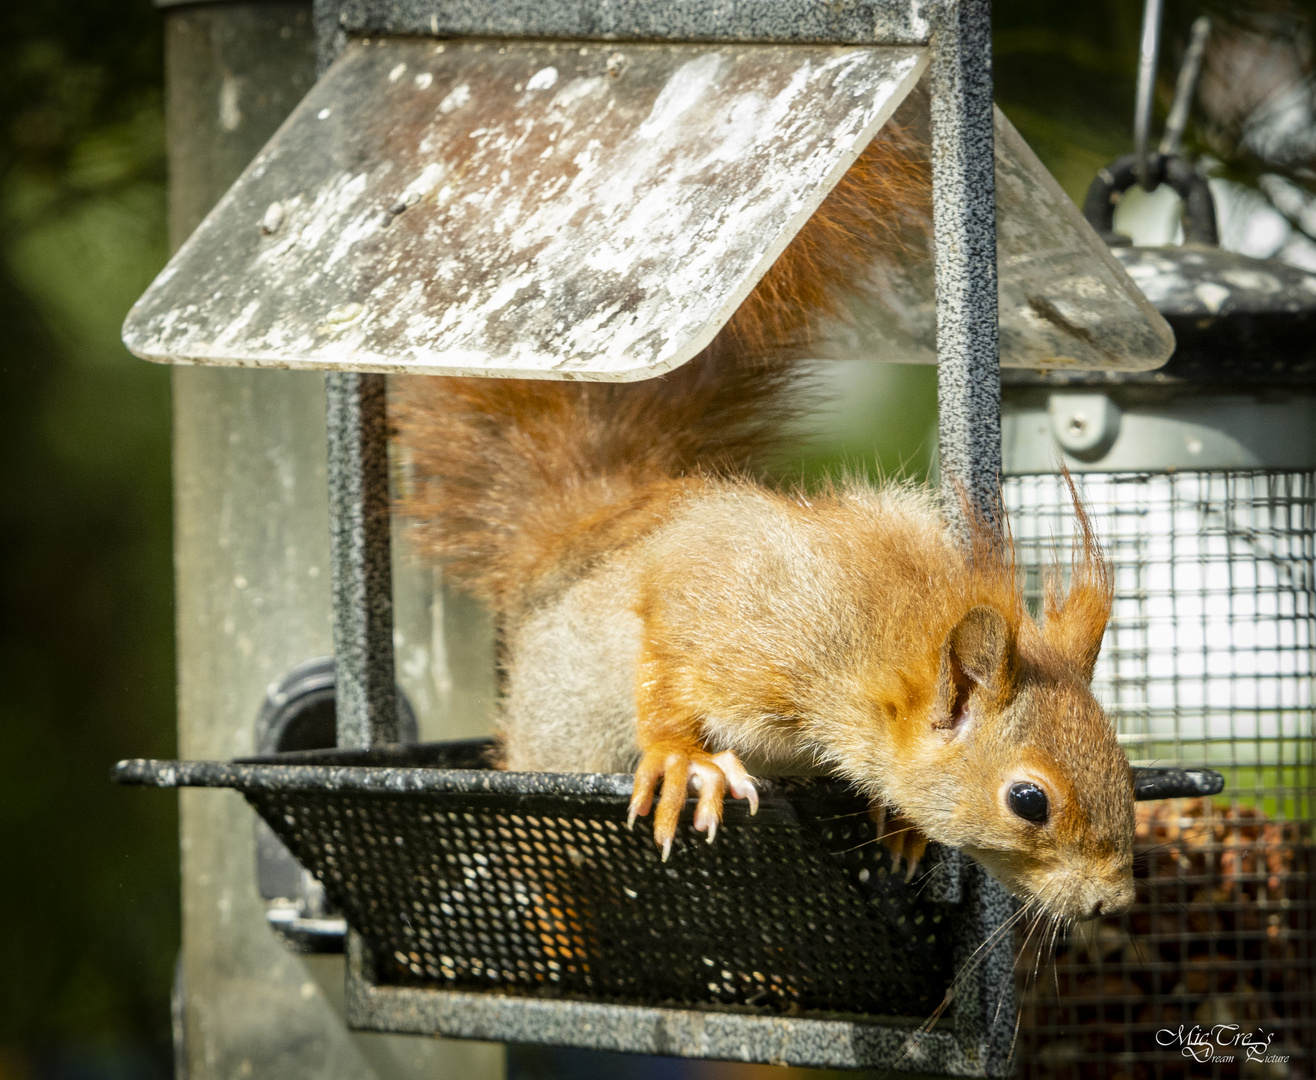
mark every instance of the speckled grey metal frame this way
{"type": "Point", "coordinates": [958, 34]}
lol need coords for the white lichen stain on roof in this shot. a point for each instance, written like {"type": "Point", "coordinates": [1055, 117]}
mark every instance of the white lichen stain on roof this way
{"type": "Point", "coordinates": [543, 79]}
{"type": "Point", "coordinates": [459, 96]}
{"type": "Point", "coordinates": [1212, 295]}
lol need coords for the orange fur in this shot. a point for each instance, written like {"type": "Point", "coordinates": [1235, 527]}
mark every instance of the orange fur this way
{"type": "Point", "coordinates": [901, 585]}
{"type": "Point", "coordinates": [1075, 622]}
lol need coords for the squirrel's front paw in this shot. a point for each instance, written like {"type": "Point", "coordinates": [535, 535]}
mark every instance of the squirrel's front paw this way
{"type": "Point", "coordinates": [710, 775]}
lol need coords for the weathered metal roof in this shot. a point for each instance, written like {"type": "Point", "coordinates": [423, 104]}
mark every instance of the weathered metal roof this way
{"type": "Point", "coordinates": [559, 210]}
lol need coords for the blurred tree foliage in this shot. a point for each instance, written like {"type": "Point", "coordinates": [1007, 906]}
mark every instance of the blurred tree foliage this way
{"type": "Point", "coordinates": [89, 910]}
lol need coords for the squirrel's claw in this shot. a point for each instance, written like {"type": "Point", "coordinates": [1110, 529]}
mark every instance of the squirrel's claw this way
{"type": "Point", "coordinates": [900, 837]}
{"type": "Point", "coordinates": [915, 845]}
{"type": "Point", "coordinates": [709, 780]}
{"type": "Point", "coordinates": [647, 774]}
{"type": "Point", "coordinates": [676, 776]}
{"type": "Point", "coordinates": [738, 780]}
{"type": "Point", "coordinates": [710, 776]}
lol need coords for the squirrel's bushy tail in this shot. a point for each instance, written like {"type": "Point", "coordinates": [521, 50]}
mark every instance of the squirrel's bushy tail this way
{"type": "Point", "coordinates": [515, 483]}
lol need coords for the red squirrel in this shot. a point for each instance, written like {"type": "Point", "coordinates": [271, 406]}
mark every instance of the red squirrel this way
{"type": "Point", "coordinates": [664, 612]}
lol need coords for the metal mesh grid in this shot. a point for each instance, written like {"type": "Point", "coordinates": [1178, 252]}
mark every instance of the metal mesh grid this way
{"type": "Point", "coordinates": [1208, 660]}
{"type": "Point", "coordinates": [796, 913]}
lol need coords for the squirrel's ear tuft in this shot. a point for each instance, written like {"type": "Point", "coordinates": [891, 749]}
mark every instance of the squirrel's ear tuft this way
{"type": "Point", "coordinates": [977, 653]}
{"type": "Point", "coordinates": [1074, 627]}
{"type": "Point", "coordinates": [1074, 624]}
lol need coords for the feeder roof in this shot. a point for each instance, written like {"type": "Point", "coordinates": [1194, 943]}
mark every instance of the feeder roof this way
{"type": "Point", "coordinates": [513, 208]}
{"type": "Point", "coordinates": [572, 210]}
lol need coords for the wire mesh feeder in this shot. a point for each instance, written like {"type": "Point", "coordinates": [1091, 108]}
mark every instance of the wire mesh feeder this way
{"type": "Point", "coordinates": [1209, 658]}
{"type": "Point", "coordinates": [517, 907]}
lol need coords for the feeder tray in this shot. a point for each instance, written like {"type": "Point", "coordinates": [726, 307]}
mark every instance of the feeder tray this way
{"type": "Point", "coordinates": [517, 907]}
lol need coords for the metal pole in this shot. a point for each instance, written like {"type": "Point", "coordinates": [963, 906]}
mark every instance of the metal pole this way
{"type": "Point", "coordinates": [329, 36]}
{"type": "Point", "coordinates": [964, 228]}
{"type": "Point", "coordinates": [1148, 50]}
{"type": "Point", "coordinates": [969, 405]}
{"type": "Point", "coordinates": [1186, 87]}
{"type": "Point", "coordinates": [359, 542]}
{"type": "Point", "coordinates": [359, 551]}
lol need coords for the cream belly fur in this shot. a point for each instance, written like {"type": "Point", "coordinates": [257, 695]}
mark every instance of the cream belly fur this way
{"type": "Point", "coordinates": [570, 689]}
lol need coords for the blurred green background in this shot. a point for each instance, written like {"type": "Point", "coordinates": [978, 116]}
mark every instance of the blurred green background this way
{"type": "Point", "coordinates": [88, 909]}
{"type": "Point", "coordinates": [88, 915]}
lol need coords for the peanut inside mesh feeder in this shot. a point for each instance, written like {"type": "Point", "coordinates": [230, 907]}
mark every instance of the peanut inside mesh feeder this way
{"type": "Point", "coordinates": [568, 192]}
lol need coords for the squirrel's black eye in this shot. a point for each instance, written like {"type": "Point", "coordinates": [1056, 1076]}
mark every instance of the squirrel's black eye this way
{"type": "Point", "coordinates": [1028, 801]}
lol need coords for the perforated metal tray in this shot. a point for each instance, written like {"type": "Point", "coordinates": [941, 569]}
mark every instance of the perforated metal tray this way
{"type": "Point", "coordinates": [518, 907]}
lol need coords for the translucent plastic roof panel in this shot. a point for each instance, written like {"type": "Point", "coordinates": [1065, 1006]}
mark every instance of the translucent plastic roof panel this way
{"type": "Point", "coordinates": [558, 210]}
{"type": "Point", "coordinates": [1066, 303]}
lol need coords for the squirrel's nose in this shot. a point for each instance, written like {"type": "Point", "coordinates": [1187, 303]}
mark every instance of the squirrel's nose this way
{"type": "Point", "coordinates": [1116, 902]}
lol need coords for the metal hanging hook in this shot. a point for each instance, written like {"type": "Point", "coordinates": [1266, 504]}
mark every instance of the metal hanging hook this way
{"type": "Point", "coordinates": [1165, 166]}
{"type": "Point", "coordinates": [1151, 166]}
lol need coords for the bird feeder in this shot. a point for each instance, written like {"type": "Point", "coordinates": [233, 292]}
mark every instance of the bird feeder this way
{"type": "Point", "coordinates": [570, 191]}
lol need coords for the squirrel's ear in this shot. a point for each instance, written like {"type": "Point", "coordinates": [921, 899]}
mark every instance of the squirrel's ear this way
{"type": "Point", "coordinates": [979, 646]}
{"type": "Point", "coordinates": [977, 653]}
{"type": "Point", "coordinates": [1075, 626]}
